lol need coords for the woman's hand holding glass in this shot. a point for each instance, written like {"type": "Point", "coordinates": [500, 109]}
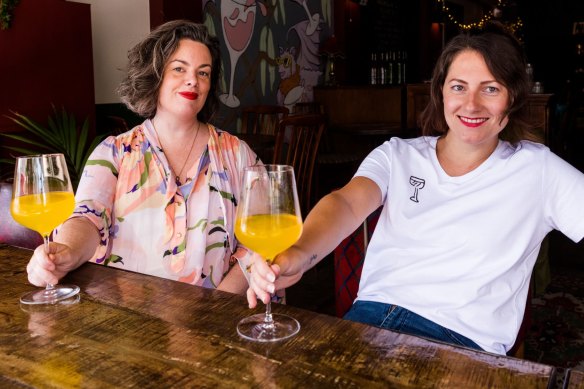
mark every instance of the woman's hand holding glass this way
{"type": "Point", "coordinates": [42, 198]}
{"type": "Point", "coordinates": [48, 268]}
{"type": "Point", "coordinates": [266, 278]}
{"type": "Point", "coordinates": [268, 222]}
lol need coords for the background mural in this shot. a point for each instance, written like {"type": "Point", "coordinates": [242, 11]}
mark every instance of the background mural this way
{"type": "Point", "coordinates": [270, 51]}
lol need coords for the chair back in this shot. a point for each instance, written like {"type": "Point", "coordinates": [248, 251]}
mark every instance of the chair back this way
{"type": "Point", "coordinates": [11, 232]}
{"type": "Point", "coordinates": [262, 119]}
{"type": "Point", "coordinates": [297, 142]}
{"type": "Point", "coordinates": [305, 108]}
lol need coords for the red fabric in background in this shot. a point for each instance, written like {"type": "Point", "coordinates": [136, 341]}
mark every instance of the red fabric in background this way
{"type": "Point", "coordinates": [349, 257]}
{"type": "Point", "coordinates": [11, 232]}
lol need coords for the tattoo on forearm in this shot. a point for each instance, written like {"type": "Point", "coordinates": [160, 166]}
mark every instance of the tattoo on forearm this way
{"type": "Point", "coordinates": [312, 258]}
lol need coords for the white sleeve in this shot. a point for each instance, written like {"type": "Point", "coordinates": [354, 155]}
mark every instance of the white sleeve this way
{"type": "Point", "coordinates": [564, 196]}
{"type": "Point", "coordinates": [377, 167]}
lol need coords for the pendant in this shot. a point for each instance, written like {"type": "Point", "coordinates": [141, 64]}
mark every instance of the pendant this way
{"type": "Point", "coordinates": [177, 180]}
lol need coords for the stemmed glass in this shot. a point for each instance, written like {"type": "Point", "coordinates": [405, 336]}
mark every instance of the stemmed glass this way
{"type": "Point", "coordinates": [42, 198]}
{"type": "Point", "coordinates": [268, 222]}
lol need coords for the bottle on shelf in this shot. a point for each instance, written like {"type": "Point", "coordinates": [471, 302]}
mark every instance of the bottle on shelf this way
{"type": "Point", "coordinates": [373, 69]}
{"type": "Point", "coordinates": [399, 70]}
{"type": "Point", "coordinates": [537, 87]}
{"type": "Point", "coordinates": [390, 69]}
{"type": "Point", "coordinates": [529, 71]}
{"type": "Point", "coordinates": [404, 63]}
{"type": "Point", "coordinates": [382, 69]}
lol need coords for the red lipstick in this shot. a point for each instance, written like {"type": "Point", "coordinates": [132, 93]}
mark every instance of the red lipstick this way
{"type": "Point", "coordinates": [470, 122]}
{"type": "Point", "coordinates": [189, 95]}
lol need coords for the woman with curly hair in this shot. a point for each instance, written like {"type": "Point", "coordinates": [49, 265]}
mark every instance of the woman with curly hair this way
{"type": "Point", "coordinates": [160, 199]}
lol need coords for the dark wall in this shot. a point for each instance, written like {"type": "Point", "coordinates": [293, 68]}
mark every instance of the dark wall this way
{"type": "Point", "coordinates": [549, 43]}
{"type": "Point", "coordinates": [547, 35]}
{"type": "Point", "coordinates": [47, 59]}
{"type": "Point", "coordinates": [165, 10]}
{"type": "Point", "coordinates": [383, 26]}
{"type": "Point", "coordinates": [546, 32]}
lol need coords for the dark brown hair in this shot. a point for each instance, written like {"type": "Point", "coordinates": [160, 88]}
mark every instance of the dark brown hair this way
{"type": "Point", "coordinates": [140, 88]}
{"type": "Point", "coordinates": [505, 59]}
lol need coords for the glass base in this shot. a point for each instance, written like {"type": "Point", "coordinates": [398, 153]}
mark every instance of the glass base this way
{"type": "Point", "coordinates": [257, 329]}
{"type": "Point", "coordinates": [50, 296]}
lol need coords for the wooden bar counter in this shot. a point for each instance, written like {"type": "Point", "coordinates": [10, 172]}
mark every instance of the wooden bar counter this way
{"type": "Point", "coordinates": [132, 330]}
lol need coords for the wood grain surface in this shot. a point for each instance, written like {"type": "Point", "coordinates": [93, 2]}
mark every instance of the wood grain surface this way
{"type": "Point", "coordinates": [133, 330]}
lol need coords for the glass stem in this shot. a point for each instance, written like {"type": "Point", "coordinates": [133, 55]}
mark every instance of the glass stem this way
{"type": "Point", "coordinates": [268, 319]}
{"type": "Point", "coordinates": [46, 241]}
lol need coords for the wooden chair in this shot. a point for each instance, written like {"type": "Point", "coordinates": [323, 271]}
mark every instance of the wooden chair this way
{"type": "Point", "coordinates": [259, 124]}
{"type": "Point", "coordinates": [349, 257]}
{"type": "Point", "coordinates": [262, 119]}
{"type": "Point", "coordinates": [333, 168]}
{"type": "Point", "coordinates": [11, 232]}
{"type": "Point", "coordinates": [297, 142]}
{"type": "Point", "coordinates": [306, 108]}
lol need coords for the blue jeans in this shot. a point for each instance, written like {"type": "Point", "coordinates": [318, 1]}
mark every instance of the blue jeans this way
{"type": "Point", "coordinates": [396, 318]}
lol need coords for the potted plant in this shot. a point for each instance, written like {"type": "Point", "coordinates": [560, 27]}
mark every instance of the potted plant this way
{"type": "Point", "coordinates": [61, 136]}
{"type": "Point", "coordinates": [6, 9]}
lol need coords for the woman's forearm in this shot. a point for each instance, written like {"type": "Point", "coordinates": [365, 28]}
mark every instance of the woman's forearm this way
{"type": "Point", "coordinates": [234, 281]}
{"type": "Point", "coordinates": [335, 217]}
{"type": "Point", "coordinates": [81, 236]}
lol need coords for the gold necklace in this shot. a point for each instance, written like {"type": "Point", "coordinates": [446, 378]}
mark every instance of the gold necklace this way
{"type": "Point", "coordinates": [177, 176]}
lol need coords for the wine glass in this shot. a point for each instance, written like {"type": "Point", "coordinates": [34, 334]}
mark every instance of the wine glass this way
{"type": "Point", "coordinates": [42, 198]}
{"type": "Point", "coordinates": [268, 222]}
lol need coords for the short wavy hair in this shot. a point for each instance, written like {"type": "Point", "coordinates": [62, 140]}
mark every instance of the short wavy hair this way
{"type": "Point", "coordinates": [505, 59]}
{"type": "Point", "coordinates": [140, 88]}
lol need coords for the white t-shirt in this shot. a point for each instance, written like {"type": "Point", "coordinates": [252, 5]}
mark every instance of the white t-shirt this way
{"type": "Point", "coordinates": [460, 250]}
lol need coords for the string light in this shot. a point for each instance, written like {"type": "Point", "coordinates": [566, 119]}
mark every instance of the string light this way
{"type": "Point", "coordinates": [514, 27]}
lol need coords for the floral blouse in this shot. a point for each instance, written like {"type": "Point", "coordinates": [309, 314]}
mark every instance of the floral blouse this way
{"type": "Point", "coordinates": [149, 225]}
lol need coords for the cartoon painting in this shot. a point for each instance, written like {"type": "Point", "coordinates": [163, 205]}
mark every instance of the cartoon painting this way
{"type": "Point", "coordinates": [270, 51]}
{"type": "Point", "coordinates": [237, 23]}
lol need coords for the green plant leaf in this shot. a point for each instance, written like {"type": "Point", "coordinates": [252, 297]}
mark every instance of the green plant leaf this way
{"type": "Point", "coordinates": [34, 128]}
{"type": "Point", "coordinates": [23, 151]}
{"type": "Point", "coordinates": [60, 136]}
{"type": "Point", "coordinates": [71, 129]}
{"type": "Point", "coordinates": [25, 140]}
{"type": "Point", "coordinates": [82, 140]}
{"type": "Point", "coordinates": [97, 140]}
{"type": "Point", "coordinates": [54, 131]}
